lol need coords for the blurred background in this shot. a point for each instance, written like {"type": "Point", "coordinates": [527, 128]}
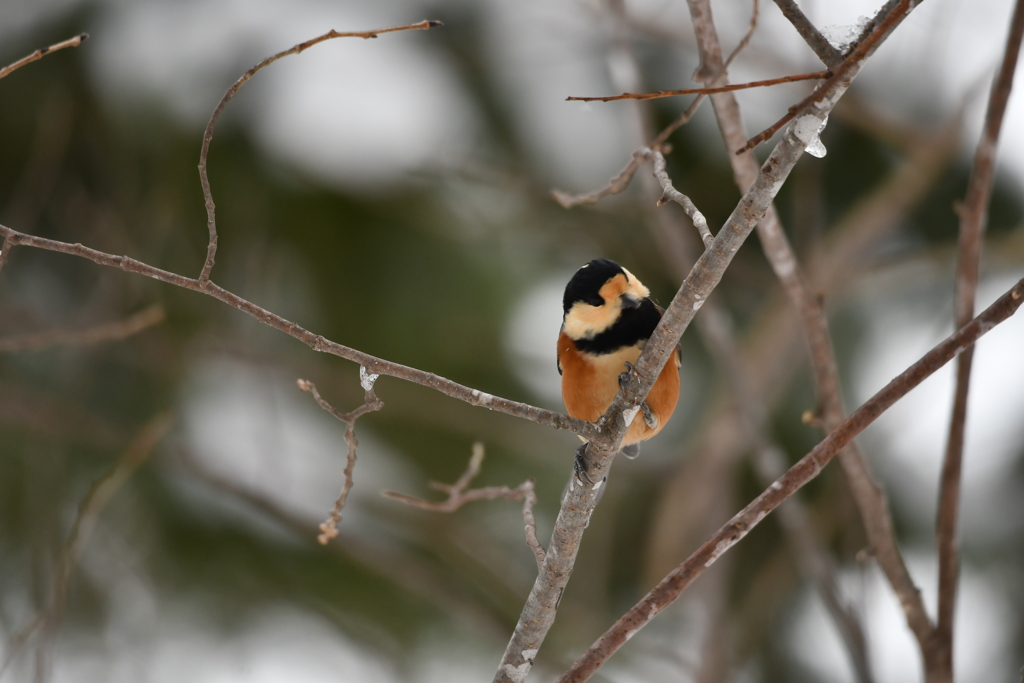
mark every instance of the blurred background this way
{"type": "Point", "coordinates": [160, 494]}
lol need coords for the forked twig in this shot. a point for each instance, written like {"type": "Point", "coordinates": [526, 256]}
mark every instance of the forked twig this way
{"type": "Point", "coordinates": [329, 527]}
{"type": "Point", "coordinates": [458, 496]}
{"type": "Point", "coordinates": [671, 194]}
{"type": "Point", "coordinates": [211, 222]}
{"type": "Point", "coordinates": [42, 52]}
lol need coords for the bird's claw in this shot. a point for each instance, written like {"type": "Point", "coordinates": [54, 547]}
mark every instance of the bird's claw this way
{"type": "Point", "coordinates": [580, 465]}
{"type": "Point", "coordinates": [624, 376]}
{"type": "Point", "coordinates": [652, 422]}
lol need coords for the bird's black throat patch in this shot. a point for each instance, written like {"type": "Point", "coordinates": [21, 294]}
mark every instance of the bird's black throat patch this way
{"type": "Point", "coordinates": [634, 325]}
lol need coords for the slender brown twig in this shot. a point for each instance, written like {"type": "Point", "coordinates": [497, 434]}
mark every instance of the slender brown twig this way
{"type": "Point", "coordinates": [808, 467]}
{"type": "Point", "coordinates": [826, 52]}
{"type": "Point", "coordinates": [329, 527]}
{"type": "Point", "coordinates": [115, 331]}
{"type": "Point", "coordinates": [857, 55]}
{"type": "Point", "coordinates": [817, 75]}
{"type": "Point", "coordinates": [42, 52]}
{"type": "Point", "coordinates": [458, 495]}
{"type": "Point", "coordinates": [211, 222]}
{"type": "Point", "coordinates": [973, 217]}
{"type": "Point", "coordinates": [671, 194]}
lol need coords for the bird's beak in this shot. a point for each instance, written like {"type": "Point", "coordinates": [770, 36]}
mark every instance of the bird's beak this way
{"type": "Point", "coordinates": [630, 302]}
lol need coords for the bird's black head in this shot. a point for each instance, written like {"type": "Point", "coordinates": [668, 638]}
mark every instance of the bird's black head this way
{"type": "Point", "coordinates": [598, 296]}
{"type": "Point", "coordinates": [586, 284]}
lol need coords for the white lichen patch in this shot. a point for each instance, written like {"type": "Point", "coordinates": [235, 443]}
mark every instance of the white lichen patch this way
{"type": "Point", "coordinates": [629, 413]}
{"type": "Point", "coordinates": [366, 379]}
{"type": "Point", "coordinates": [697, 304]}
{"type": "Point", "coordinates": [517, 674]}
{"type": "Point", "coordinates": [530, 655]}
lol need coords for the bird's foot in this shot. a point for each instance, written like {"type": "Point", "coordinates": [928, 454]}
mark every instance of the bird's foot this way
{"type": "Point", "coordinates": [624, 376]}
{"type": "Point", "coordinates": [649, 418]}
{"type": "Point", "coordinates": [581, 465]}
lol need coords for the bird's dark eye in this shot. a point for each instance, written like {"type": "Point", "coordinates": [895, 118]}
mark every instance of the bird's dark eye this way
{"type": "Point", "coordinates": [594, 300]}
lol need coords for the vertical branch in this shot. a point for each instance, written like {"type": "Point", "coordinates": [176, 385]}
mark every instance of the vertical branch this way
{"type": "Point", "coordinates": [973, 217]}
{"type": "Point", "coordinates": [868, 495]}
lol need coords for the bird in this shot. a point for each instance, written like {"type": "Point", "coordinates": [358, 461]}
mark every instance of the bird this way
{"type": "Point", "coordinates": [607, 318]}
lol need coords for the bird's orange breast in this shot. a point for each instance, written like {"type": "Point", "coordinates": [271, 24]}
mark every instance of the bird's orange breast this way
{"type": "Point", "coordinates": [591, 381]}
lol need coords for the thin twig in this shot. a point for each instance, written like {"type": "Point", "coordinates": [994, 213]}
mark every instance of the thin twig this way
{"type": "Point", "coordinates": [314, 341]}
{"type": "Point", "coordinates": [614, 186]}
{"type": "Point", "coordinates": [807, 468]}
{"type": "Point", "coordinates": [973, 217]}
{"type": "Point", "coordinates": [857, 55]}
{"type": "Point", "coordinates": [104, 332]}
{"type": "Point", "coordinates": [826, 52]}
{"type": "Point", "coordinates": [211, 222]}
{"type": "Point", "coordinates": [42, 52]}
{"type": "Point", "coordinates": [458, 495]}
{"type": "Point", "coordinates": [670, 193]}
{"type": "Point", "coordinates": [329, 527]}
{"type": "Point", "coordinates": [817, 75]}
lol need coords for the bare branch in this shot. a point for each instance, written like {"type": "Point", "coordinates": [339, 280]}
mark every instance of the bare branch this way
{"type": "Point", "coordinates": [104, 332]}
{"type": "Point", "coordinates": [826, 52]}
{"type": "Point", "coordinates": [539, 611]}
{"type": "Point", "coordinates": [614, 186]}
{"type": "Point", "coordinates": [329, 528]}
{"type": "Point", "coordinates": [868, 495]}
{"type": "Point", "coordinates": [674, 195]}
{"type": "Point", "coordinates": [808, 467]}
{"type": "Point", "coordinates": [211, 222]}
{"type": "Point", "coordinates": [314, 341]}
{"type": "Point", "coordinates": [42, 52]}
{"type": "Point", "coordinates": [459, 496]}
{"type": "Point", "coordinates": [817, 75]}
{"type": "Point", "coordinates": [973, 217]}
{"type": "Point", "coordinates": [857, 55]}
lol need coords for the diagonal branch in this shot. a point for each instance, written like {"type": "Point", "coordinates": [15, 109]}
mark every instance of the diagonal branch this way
{"type": "Point", "coordinates": [104, 332]}
{"type": "Point", "coordinates": [458, 495]}
{"type": "Point", "coordinates": [211, 222]}
{"type": "Point", "coordinates": [329, 528]}
{"type": "Point", "coordinates": [826, 52]}
{"type": "Point", "coordinates": [808, 467]}
{"type": "Point", "coordinates": [42, 52]}
{"type": "Point", "coordinates": [973, 217]}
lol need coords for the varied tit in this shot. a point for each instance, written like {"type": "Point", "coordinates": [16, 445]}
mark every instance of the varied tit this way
{"type": "Point", "coordinates": [608, 317]}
